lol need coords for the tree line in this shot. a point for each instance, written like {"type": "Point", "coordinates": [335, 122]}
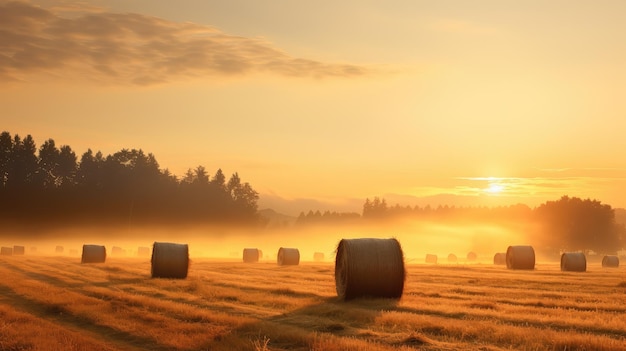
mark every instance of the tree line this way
{"type": "Point", "coordinates": [47, 187]}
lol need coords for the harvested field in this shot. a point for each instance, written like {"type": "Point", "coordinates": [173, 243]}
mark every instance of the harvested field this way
{"type": "Point", "coordinates": [57, 303]}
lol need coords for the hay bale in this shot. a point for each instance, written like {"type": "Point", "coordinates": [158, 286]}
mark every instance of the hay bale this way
{"type": "Point", "coordinates": [170, 260]}
{"type": "Point", "coordinates": [318, 256]}
{"type": "Point", "coordinates": [452, 258]}
{"type": "Point", "coordinates": [59, 249]}
{"type": "Point", "coordinates": [143, 251]}
{"type": "Point", "coordinates": [18, 250]}
{"type": "Point", "coordinates": [251, 255]}
{"type": "Point", "coordinates": [93, 254]}
{"type": "Point", "coordinates": [610, 261]}
{"type": "Point", "coordinates": [431, 258]}
{"type": "Point", "coordinates": [6, 251]}
{"type": "Point", "coordinates": [520, 257]}
{"type": "Point", "coordinates": [471, 256]}
{"type": "Point", "coordinates": [499, 258]}
{"type": "Point", "coordinates": [117, 251]}
{"type": "Point", "coordinates": [369, 267]}
{"type": "Point", "coordinates": [288, 256]}
{"type": "Point", "coordinates": [573, 262]}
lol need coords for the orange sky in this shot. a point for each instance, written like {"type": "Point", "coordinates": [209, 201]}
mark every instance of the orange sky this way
{"type": "Point", "coordinates": [319, 105]}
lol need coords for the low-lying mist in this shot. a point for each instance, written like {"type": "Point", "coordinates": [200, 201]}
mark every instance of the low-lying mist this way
{"type": "Point", "coordinates": [417, 238]}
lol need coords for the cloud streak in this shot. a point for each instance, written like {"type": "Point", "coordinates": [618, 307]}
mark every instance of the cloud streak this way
{"type": "Point", "coordinates": [132, 48]}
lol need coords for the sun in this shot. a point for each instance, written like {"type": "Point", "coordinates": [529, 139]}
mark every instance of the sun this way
{"type": "Point", "coordinates": [495, 188]}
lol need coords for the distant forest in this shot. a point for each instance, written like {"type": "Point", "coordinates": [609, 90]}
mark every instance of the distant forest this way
{"type": "Point", "coordinates": [49, 187]}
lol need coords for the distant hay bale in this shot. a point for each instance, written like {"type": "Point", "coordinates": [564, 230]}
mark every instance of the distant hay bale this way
{"type": "Point", "coordinates": [430, 258]}
{"type": "Point", "coordinates": [6, 251]}
{"type": "Point", "coordinates": [251, 255]}
{"type": "Point", "coordinates": [93, 254]}
{"type": "Point", "coordinates": [499, 258]}
{"type": "Point", "coordinates": [471, 256]}
{"type": "Point", "coordinates": [318, 256]}
{"type": "Point", "coordinates": [59, 249]}
{"type": "Point", "coordinates": [369, 267]}
{"type": "Point", "coordinates": [143, 251]}
{"type": "Point", "coordinates": [170, 260]}
{"type": "Point", "coordinates": [18, 250]}
{"type": "Point", "coordinates": [452, 258]}
{"type": "Point", "coordinates": [573, 262]}
{"type": "Point", "coordinates": [288, 256]}
{"type": "Point", "coordinates": [520, 257]}
{"type": "Point", "coordinates": [610, 261]}
{"type": "Point", "coordinates": [117, 251]}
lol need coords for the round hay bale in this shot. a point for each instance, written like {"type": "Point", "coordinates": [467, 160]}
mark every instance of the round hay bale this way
{"type": "Point", "coordinates": [452, 258]}
{"type": "Point", "coordinates": [520, 257]}
{"type": "Point", "coordinates": [369, 267]}
{"type": "Point", "coordinates": [18, 250]}
{"type": "Point", "coordinates": [143, 251]}
{"type": "Point", "coordinates": [318, 256]}
{"type": "Point", "coordinates": [499, 258]}
{"type": "Point", "coordinates": [573, 262]}
{"type": "Point", "coordinates": [117, 251]}
{"type": "Point", "coordinates": [431, 258]}
{"type": "Point", "coordinates": [170, 260]}
{"type": "Point", "coordinates": [471, 256]}
{"type": "Point", "coordinates": [610, 261]}
{"type": "Point", "coordinates": [59, 249]}
{"type": "Point", "coordinates": [93, 254]}
{"type": "Point", "coordinates": [251, 255]}
{"type": "Point", "coordinates": [288, 256]}
{"type": "Point", "coordinates": [6, 251]}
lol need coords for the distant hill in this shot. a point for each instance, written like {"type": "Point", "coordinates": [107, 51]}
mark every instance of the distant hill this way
{"type": "Point", "coordinates": [275, 219]}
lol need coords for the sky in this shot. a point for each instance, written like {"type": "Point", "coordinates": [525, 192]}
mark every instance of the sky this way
{"type": "Point", "coordinates": [320, 105]}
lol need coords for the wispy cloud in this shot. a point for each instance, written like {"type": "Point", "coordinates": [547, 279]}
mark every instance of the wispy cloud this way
{"type": "Point", "coordinates": [130, 48]}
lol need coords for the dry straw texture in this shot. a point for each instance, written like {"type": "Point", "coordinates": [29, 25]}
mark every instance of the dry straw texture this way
{"type": "Point", "coordinates": [430, 258]}
{"type": "Point", "coordinates": [520, 257]}
{"type": "Point", "coordinates": [251, 255]}
{"type": "Point", "coordinates": [573, 262]}
{"type": "Point", "coordinates": [288, 256]}
{"type": "Point", "coordinates": [471, 256]}
{"type": "Point", "coordinates": [170, 260]}
{"type": "Point", "coordinates": [610, 261]}
{"type": "Point", "coordinates": [369, 267]}
{"type": "Point", "coordinates": [499, 258]}
{"type": "Point", "coordinates": [94, 254]}
{"type": "Point", "coordinates": [452, 258]}
{"type": "Point", "coordinates": [6, 251]}
{"type": "Point", "coordinates": [143, 251]}
{"type": "Point", "coordinates": [318, 256]}
{"type": "Point", "coordinates": [18, 250]}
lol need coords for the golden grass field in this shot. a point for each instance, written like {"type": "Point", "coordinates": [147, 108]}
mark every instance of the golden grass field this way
{"type": "Point", "coordinates": [57, 303]}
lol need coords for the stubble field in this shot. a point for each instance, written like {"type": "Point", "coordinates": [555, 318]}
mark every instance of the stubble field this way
{"type": "Point", "coordinates": [57, 303]}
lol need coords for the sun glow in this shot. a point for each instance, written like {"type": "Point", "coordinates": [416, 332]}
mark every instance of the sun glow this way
{"type": "Point", "coordinates": [495, 188]}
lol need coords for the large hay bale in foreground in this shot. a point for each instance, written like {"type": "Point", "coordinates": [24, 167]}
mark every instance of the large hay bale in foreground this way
{"type": "Point", "coordinates": [369, 267]}
{"type": "Point", "coordinates": [520, 257]}
{"type": "Point", "coordinates": [471, 256]}
{"type": "Point", "coordinates": [430, 258]}
{"type": "Point", "coordinates": [143, 251]}
{"type": "Point", "coordinates": [499, 258]}
{"type": "Point", "coordinates": [93, 254]}
{"type": "Point", "coordinates": [288, 256]}
{"type": "Point", "coordinates": [318, 256]}
{"type": "Point", "coordinates": [452, 258]}
{"type": "Point", "coordinates": [6, 251]}
{"type": "Point", "coordinates": [18, 250]}
{"type": "Point", "coordinates": [170, 260]}
{"type": "Point", "coordinates": [610, 261]}
{"type": "Point", "coordinates": [251, 255]}
{"type": "Point", "coordinates": [573, 262]}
